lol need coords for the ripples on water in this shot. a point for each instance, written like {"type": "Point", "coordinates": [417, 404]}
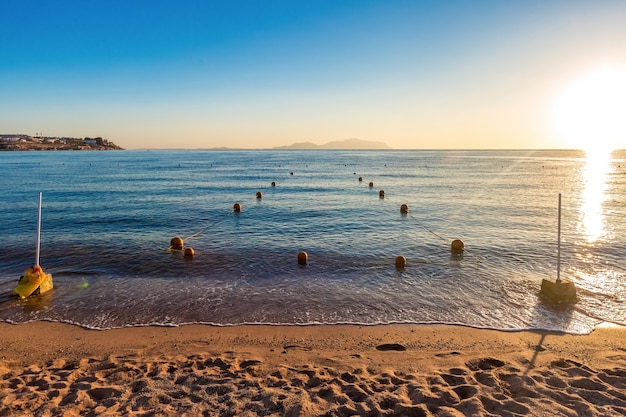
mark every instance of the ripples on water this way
{"type": "Point", "coordinates": [108, 218]}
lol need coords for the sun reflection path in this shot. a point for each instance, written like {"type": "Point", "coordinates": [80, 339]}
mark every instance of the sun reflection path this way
{"type": "Point", "coordinates": [592, 222]}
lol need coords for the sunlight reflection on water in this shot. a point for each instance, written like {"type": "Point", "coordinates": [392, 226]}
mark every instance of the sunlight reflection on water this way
{"type": "Point", "coordinates": [595, 174]}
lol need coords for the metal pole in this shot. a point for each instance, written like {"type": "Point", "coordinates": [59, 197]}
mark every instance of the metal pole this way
{"type": "Point", "coordinates": [38, 232]}
{"type": "Point", "coordinates": [558, 246]}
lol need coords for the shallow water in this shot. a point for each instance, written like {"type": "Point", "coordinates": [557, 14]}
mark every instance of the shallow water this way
{"type": "Point", "coordinates": [108, 218]}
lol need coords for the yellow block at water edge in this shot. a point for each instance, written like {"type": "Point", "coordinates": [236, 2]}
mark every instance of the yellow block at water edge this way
{"type": "Point", "coordinates": [34, 279]}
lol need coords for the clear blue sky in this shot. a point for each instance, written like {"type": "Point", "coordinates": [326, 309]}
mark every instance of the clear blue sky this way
{"type": "Point", "coordinates": [256, 74]}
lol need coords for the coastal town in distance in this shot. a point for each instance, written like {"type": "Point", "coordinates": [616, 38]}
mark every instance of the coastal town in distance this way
{"type": "Point", "coordinates": [21, 142]}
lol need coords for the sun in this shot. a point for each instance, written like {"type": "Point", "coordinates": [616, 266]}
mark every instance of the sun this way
{"type": "Point", "coordinates": [590, 113]}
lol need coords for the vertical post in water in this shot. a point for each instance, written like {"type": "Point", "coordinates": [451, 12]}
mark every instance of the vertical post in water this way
{"type": "Point", "coordinates": [558, 246]}
{"type": "Point", "coordinates": [560, 290]}
{"type": "Point", "coordinates": [38, 232]}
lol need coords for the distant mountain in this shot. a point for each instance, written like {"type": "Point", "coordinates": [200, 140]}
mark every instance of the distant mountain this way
{"type": "Point", "coordinates": [337, 145]}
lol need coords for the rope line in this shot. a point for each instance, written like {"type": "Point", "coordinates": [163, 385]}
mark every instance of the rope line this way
{"type": "Point", "coordinates": [428, 230]}
{"type": "Point", "coordinates": [210, 225]}
{"type": "Point", "coordinates": [198, 233]}
{"type": "Point", "coordinates": [418, 222]}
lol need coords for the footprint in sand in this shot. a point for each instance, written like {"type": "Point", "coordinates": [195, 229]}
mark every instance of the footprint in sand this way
{"type": "Point", "coordinates": [391, 346]}
{"type": "Point", "coordinates": [248, 363]}
{"type": "Point", "coordinates": [484, 364]}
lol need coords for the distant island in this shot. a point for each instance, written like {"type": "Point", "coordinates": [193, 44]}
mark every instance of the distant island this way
{"type": "Point", "coordinates": [20, 142]}
{"type": "Point", "coordinates": [348, 144]}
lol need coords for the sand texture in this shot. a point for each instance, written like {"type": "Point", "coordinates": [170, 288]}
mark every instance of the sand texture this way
{"type": "Point", "coordinates": [52, 369]}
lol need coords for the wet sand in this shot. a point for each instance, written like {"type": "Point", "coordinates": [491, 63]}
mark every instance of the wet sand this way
{"type": "Point", "coordinates": [397, 370]}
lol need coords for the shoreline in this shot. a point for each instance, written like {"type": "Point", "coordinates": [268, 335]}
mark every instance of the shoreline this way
{"type": "Point", "coordinates": [400, 369]}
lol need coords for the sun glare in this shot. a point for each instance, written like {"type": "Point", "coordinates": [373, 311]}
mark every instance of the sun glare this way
{"type": "Point", "coordinates": [591, 112]}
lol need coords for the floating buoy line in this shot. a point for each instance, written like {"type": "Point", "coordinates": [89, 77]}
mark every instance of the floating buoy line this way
{"type": "Point", "coordinates": [457, 247]}
{"type": "Point", "coordinates": [34, 278]}
{"type": "Point", "coordinates": [178, 243]}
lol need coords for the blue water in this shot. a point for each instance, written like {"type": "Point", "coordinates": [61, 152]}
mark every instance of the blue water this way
{"type": "Point", "coordinates": [108, 217]}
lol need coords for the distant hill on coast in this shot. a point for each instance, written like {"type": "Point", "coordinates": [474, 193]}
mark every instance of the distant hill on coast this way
{"type": "Point", "coordinates": [338, 145]}
{"type": "Point", "coordinates": [21, 142]}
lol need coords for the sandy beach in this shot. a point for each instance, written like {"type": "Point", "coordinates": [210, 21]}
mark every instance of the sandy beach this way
{"type": "Point", "coordinates": [50, 369]}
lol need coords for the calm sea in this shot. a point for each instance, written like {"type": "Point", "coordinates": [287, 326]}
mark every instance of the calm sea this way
{"type": "Point", "coordinates": [108, 217]}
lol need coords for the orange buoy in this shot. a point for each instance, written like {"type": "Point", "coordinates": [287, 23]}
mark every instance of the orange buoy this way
{"type": "Point", "coordinates": [381, 193]}
{"type": "Point", "coordinates": [303, 258]}
{"type": "Point", "coordinates": [371, 184]}
{"type": "Point", "coordinates": [400, 261]}
{"type": "Point", "coordinates": [177, 243]}
{"type": "Point", "coordinates": [237, 207]}
{"type": "Point", "coordinates": [404, 209]}
{"type": "Point", "coordinates": [457, 247]}
{"type": "Point", "coordinates": [189, 253]}
{"type": "Point", "coordinates": [259, 195]}
{"type": "Point", "coordinates": [273, 183]}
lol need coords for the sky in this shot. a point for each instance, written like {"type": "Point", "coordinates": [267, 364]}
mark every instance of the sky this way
{"type": "Point", "coordinates": [264, 73]}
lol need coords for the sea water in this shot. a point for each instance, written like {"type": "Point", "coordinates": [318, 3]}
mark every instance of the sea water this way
{"type": "Point", "coordinates": [108, 217]}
